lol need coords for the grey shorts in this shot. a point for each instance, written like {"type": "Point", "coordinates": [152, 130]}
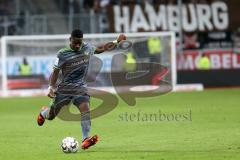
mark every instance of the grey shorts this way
{"type": "Point", "coordinates": [61, 99]}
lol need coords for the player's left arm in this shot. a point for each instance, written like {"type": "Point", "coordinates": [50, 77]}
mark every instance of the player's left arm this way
{"type": "Point", "coordinates": [110, 45]}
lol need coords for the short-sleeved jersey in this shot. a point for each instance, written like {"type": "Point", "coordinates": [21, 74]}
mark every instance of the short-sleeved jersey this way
{"type": "Point", "coordinates": [74, 67]}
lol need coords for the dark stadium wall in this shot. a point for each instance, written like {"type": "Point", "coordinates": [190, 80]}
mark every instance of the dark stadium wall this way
{"type": "Point", "coordinates": [210, 78]}
{"type": "Point", "coordinates": [211, 28]}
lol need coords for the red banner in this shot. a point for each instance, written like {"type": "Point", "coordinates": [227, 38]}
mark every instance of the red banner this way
{"type": "Point", "coordinates": [219, 59]}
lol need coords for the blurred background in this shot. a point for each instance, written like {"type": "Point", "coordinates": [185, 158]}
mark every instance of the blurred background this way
{"type": "Point", "coordinates": [185, 45]}
{"type": "Point", "coordinates": [207, 34]}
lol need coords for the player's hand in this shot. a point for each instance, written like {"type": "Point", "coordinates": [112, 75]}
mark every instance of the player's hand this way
{"type": "Point", "coordinates": [121, 37]}
{"type": "Point", "coordinates": [51, 92]}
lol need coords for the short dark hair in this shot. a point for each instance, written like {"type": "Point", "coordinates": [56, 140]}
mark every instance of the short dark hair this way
{"type": "Point", "coordinates": [77, 33]}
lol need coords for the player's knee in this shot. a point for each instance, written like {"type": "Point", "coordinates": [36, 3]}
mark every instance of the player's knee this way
{"type": "Point", "coordinates": [84, 107]}
{"type": "Point", "coordinates": [51, 116]}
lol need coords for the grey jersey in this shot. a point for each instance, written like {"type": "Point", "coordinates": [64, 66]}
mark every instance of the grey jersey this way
{"type": "Point", "coordinates": [74, 66]}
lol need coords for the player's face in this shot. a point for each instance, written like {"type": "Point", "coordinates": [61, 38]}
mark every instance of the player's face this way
{"type": "Point", "coordinates": [75, 43]}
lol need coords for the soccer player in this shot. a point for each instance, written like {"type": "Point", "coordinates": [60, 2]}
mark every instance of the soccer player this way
{"type": "Point", "coordinates": [73, 61]}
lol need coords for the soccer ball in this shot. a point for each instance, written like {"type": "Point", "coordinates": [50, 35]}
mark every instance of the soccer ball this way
{"type": "Point", "coordinates": [69, 145]}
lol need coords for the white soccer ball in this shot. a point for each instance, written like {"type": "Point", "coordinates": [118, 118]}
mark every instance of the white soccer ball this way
{"type": "Point", "coordinates": [69, 145]}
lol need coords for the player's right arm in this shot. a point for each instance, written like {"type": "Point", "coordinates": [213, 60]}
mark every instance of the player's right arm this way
{"type": "Point", "coordinates": [52, 82]}
{"type": "Point", "coordinates": [54, 75]}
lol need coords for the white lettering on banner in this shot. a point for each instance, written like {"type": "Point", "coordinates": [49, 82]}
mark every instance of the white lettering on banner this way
{"type": "Point", "coordinates": [156, 20]}
{"type": "Point", "coordinates": [180, 62]}
{"type": "Point", "coordinates": [203, 17]}
{"type": "Point", "coordinates": [204, 14]}
{"type": "Point", "coordinates": [226, 61]}
{"type": "Point", "coordinates": [220, 18]}
{"type": "Point", "coordinates": [215, 61]}
{"type": "Point", "coordinates": [196, 60]}
{"type": "Point", "coordinates": [173, 20]}
{"type": "Point", "coordinates": [121, 20]}
{"type": "Point", "coordinates": [189, 25]}
{"type": "Point", "coordinates": [186, 63]}
{"type": "Point", "coordinates": [236, 61]}
{"type": "Point", "coordinates": [138, 20]}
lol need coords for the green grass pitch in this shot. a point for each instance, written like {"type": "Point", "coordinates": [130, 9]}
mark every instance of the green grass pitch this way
{"type": "Point", "coordinates": [207, 127]}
